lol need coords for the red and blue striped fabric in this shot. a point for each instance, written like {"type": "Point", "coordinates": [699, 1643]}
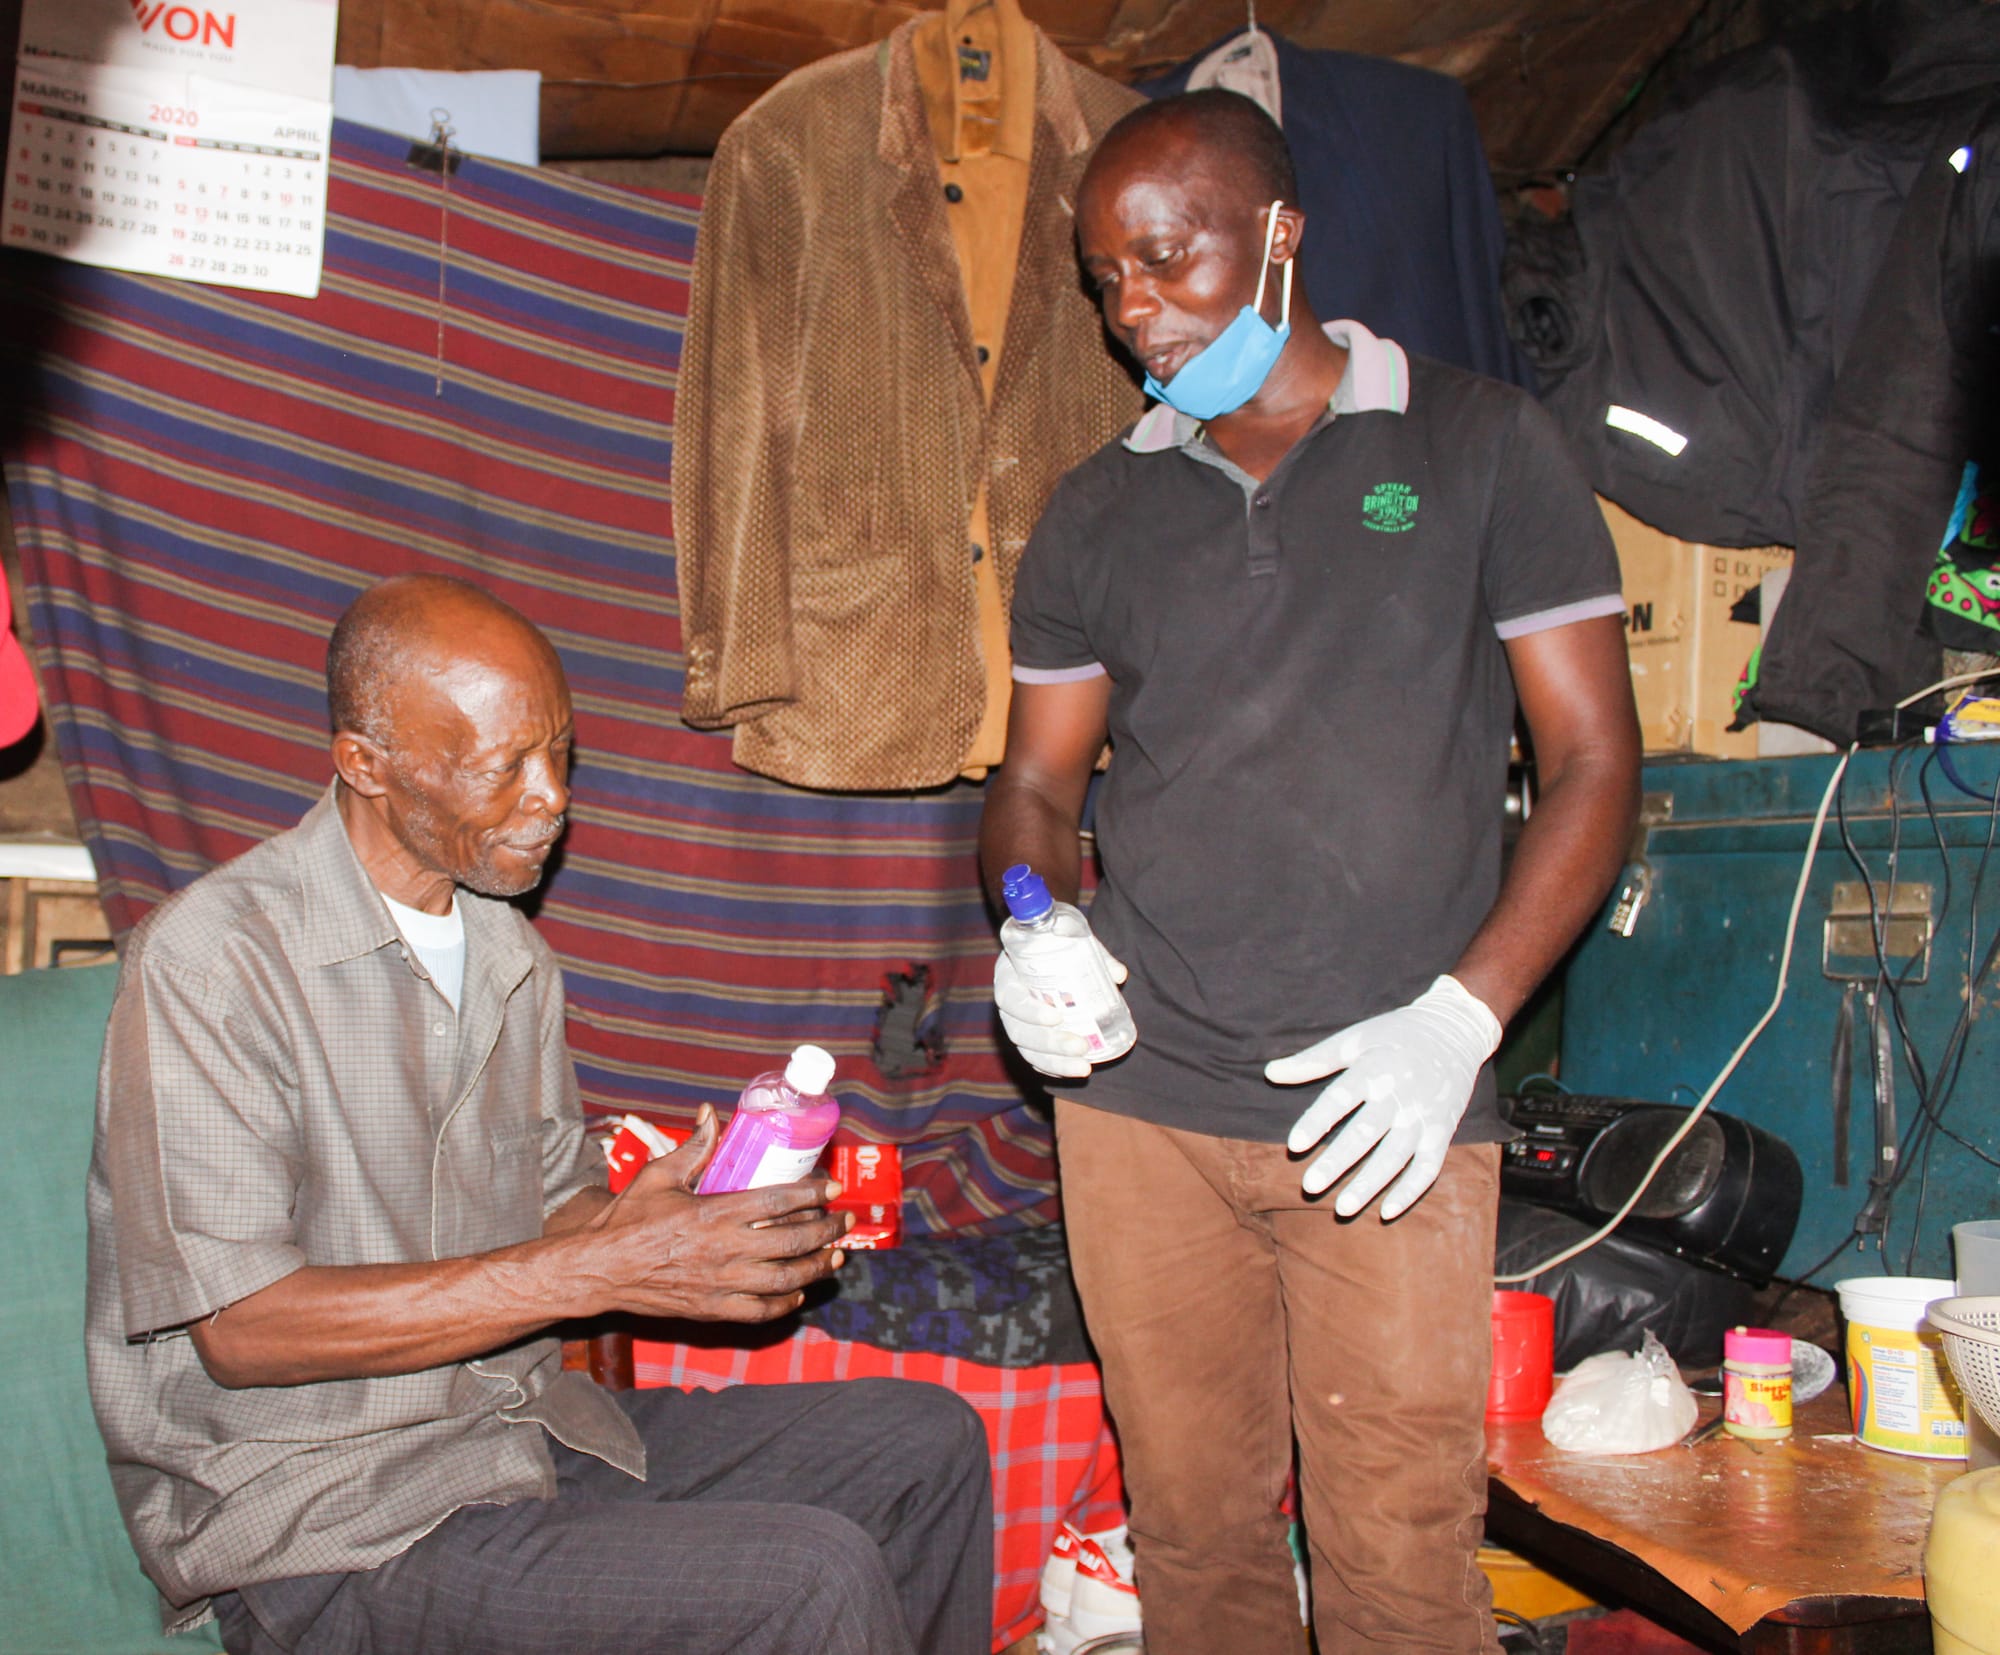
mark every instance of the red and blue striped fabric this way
{"type": "Point", "coordinates": [201, 479]}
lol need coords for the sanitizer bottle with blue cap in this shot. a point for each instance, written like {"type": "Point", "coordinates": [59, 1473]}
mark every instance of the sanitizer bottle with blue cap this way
{"type": "Point", "coordinates": [1060, 963]}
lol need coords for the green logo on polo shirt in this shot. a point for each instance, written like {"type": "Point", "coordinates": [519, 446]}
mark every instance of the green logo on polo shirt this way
{"type": "Point", "coordinates": [1389, 508]}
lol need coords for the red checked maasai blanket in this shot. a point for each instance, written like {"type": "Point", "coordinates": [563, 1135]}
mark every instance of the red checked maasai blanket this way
{"type": "Point", "coordinates": [1053, 1457]}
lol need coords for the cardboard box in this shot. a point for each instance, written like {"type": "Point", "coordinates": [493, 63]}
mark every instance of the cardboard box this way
{"type": "Point", "coordinates": [1687, 652]}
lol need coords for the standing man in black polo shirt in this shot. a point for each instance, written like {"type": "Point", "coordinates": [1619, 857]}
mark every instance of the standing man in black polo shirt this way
{"type": "Point", "coordinates": [1302, 598]}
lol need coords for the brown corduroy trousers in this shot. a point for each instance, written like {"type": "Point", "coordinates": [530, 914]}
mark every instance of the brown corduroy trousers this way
{"type": "Point", "coordinates": [1234, 1315]}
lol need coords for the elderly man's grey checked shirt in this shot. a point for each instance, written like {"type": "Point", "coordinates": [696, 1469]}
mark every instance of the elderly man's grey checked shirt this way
{"type": "Point", "coordinates": [283, 1086]}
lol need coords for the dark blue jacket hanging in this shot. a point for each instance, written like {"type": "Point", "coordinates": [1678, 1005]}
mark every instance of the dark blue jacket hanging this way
{"type": "Point", "coordinates": [1402, 228]}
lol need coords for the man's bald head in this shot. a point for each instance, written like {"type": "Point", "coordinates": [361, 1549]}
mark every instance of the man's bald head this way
{"type": "Point", "coordinates": [405, 626]}
{"type": "Point", "coordinates": [1226, 134]}
{"type": "Point", "coordinates": [451, 737]}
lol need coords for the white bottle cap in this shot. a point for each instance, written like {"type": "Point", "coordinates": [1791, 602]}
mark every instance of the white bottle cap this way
{"type": "Point", "coordinates": [810, 1071]}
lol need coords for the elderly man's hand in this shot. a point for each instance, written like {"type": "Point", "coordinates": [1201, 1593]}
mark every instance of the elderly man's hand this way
{"type": "Point", "coordinates": [662, 1250]}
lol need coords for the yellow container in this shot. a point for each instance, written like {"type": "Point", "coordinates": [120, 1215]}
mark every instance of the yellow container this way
{"type": "Point", "coordinates": [1900, 1393]}
{"type": "Point", "coordinates": [1527, 1591]}
{"type": "Point", "coordinates": [1959, 1579]}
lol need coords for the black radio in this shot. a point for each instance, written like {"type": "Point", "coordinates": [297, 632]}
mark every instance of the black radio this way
{"type": "Point", "coordinates": [1728, 1196]}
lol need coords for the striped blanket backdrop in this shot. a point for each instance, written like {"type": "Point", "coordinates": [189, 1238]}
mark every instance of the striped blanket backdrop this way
{"type": "Point", "coordinates": [201, 479]}
{"type": "Point", "coordinates": [207, 477]}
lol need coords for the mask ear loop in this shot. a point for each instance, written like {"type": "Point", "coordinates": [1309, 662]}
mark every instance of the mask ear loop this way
{"type": "Point", "coordinates": [1270, 240]}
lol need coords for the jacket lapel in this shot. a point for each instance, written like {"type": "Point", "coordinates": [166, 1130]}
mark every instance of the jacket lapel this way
{"type": "Point", "coordinates": [1046, 272]}
{"type": "Point", "coordinates": [916, 202]}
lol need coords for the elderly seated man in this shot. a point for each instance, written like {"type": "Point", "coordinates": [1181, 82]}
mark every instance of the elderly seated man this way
{"type": "Point", "coordinates": [341, 1190]}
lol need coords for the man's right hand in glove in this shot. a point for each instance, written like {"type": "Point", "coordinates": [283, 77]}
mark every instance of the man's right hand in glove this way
{"type": "Point", "coordinates": [1036, 1027]}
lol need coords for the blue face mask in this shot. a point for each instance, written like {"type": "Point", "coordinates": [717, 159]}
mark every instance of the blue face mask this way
{"type": "Point", "coordinates": [1232, 367]}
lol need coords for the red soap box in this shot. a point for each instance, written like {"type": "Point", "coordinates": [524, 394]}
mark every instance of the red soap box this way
{"type": "Point", "coordinates": [871, 1187]}
{"type": "Point", "coordinates": [635, 1143]}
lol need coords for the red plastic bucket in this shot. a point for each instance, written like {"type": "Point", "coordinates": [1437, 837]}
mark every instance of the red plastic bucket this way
{"type": "Point", "coordinates": [1524, 1355]}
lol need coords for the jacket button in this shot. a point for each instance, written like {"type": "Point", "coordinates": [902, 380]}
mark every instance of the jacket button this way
{"type": "Point", "coordinates": [978, 552]}
{"type": "Point", "coordinates": [983, 354]}
{"type": "Point", "coordinates": [953, 194]}
{"type": "Point", "coordinates": [1262, 502]}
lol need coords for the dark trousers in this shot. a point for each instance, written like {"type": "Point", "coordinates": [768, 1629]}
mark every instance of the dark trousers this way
{"type": "Point", "coordinates": [1234, 1316]}
{"type": "Point", "coordinates": [790, 1519]}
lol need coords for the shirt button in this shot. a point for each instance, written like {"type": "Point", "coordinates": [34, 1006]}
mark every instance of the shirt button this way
{"type": "Point", "coordinates": [437, 1028]}
{"type": "Point", "coordinates": [953, 194]}
{"type": "Point", "coordinates": [983, 354]}
{"type": "Point", "coordinates": [978, 551]}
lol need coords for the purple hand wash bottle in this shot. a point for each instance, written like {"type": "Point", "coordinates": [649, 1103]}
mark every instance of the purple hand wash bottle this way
{"type": "Point", "coordinates": [782, 1122]}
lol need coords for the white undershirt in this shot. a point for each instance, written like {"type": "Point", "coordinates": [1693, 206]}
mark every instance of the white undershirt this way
{"type": "Point", "coordinates": [439, 940]}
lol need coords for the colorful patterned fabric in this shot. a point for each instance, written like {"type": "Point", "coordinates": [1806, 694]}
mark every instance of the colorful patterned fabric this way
{"type": "Point", "coordinates": [1962, 598]}
{"type": "Point", "coordinates": [203, 478]}
{"type": "Point", "coordinates": [1053, 1455]}
{"type": "Point", "coordinates": [1007, 1300]}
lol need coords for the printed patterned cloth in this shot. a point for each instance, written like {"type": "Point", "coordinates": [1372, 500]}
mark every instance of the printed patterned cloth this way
{"type": "Point", "coordinates": [1962, 599]}
{"type": "Point", "coordinates": [1053, 1455]}
{"type": "Point", "coordinates": [201, 479]}
{"type": "Point", "coordinates": [1007, 1300]}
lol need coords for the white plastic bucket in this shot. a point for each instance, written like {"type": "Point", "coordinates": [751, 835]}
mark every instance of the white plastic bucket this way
{"type": "Point", "coordinates": [1899, 1390]}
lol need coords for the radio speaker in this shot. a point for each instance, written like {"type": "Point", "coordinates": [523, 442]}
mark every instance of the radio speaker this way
{"type": "Point", "coordinates": [1728, 1197]}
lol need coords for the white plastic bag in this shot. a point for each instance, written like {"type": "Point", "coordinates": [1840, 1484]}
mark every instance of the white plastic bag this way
{"type": "Point", "coordinates": [1616, 1403]}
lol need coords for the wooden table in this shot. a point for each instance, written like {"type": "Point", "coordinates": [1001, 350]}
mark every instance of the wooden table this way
{"type": "Point", "coordinates": [1811, 1544]}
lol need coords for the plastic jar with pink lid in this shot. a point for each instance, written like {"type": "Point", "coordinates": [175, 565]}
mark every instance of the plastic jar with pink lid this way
{"type": "Point", "coordinates": [1756, 1383]}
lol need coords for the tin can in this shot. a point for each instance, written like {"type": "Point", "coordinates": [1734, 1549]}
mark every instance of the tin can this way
{"type": "Point", "coordinates": [1756, 1383]}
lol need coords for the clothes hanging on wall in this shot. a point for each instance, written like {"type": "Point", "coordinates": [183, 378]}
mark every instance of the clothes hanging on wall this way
{"type": "Point", "coordinates": [1727, 257]}
{"type": "Point", "coordinates": [1862, 625]}
{"type": "Point", "coordinates": [852, 411]}
{"type": "Point", "coordinates": [975, 67]}
{"type": "Point", "coordinates": [1402, 227]}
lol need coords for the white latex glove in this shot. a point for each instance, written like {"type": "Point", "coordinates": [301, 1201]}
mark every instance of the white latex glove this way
{"type": "Point", "coordinates": [1412, 1071]}
{"type": "Point", "coordinates": [1035, 1028]}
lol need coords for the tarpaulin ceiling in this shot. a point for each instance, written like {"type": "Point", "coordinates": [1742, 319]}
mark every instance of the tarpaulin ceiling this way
{"type": "Point", "coordinates": [646, 77]}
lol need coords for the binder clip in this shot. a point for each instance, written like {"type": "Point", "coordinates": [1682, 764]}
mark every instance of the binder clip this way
{"type": "Point", "coordinates": [435, 154]}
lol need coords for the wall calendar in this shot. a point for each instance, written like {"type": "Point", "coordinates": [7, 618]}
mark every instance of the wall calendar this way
{"type": "Point", "coordinates": [173, 140]}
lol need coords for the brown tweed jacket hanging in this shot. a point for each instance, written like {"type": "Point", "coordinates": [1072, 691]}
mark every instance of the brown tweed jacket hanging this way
{"type": "Point", "coordinates": [830, 434]}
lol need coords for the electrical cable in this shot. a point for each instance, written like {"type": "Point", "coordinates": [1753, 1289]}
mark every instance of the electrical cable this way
{"type": "Point", "coordinates": [1955, 1058]}
{"type": "Point", "coordinates": [1943, 751]}
{"type": "Point", "coordinates": [1956, 681]}
{"type": "Point", "coordinates": [1877, 922]}
{"type": "Point", "coordinates": [1555, 1085]}
{"type": "Point", "coordinates": [1928, 1101]}
{"type": "Point", "coordinates": [1873, 1217]}
{"type": "Point", "coordinates": [1735, 1057]}
{"type": "Point", "coordinates": [1950, 1067]}
{"type": "Point", "coordinates": [1974, 975]}
{"type": "Point", "coordinates": [1948, 1083]}
{"type": "Point", "coordinates": [1804, 1277]}
{"type": "Point", "coordinates": [1521, 1623]}
{"type": "Point", "coordinates": [1933, 1092]}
